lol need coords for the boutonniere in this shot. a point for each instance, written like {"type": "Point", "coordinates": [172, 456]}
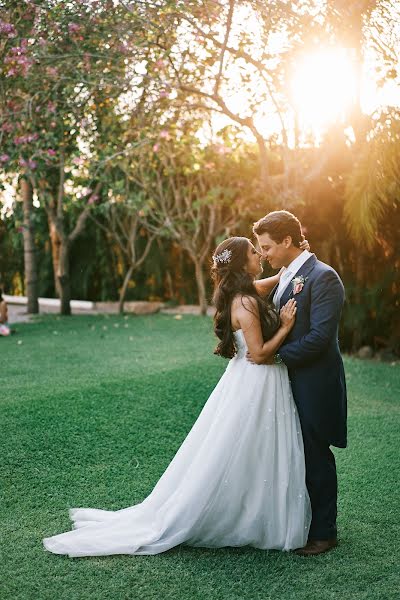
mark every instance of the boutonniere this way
{"type": "Point", "coordinates": [298, 284]}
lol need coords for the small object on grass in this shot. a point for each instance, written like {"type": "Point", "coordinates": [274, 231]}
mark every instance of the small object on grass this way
{"type": "Point", "coordinates": [178, 317]}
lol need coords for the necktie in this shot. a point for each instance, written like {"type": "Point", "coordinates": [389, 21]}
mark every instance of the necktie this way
{"type": "Point", "coordinates": [283, 283]}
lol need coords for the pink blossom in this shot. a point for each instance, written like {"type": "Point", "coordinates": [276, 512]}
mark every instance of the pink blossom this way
{"type": "Point", "coordinates": [94, 198]}
{"type": "Point", "coordinates": [53, 124]}
{"type": "Point", "coordinates": [164, 134]}
{"type": "Point", "coordinates": [51, 152]}
{"type": "Point", "coordinates": [78, 160]}
{"type": "Point", "coordinates": [52, 71]}
{"type": "Point", "coordinates": [25, 139]}
{"type": "Point", "coordinates": [51, 107]}
{"type": "Point", "coordinates": [42, 42]}
{"type": "Point", "coordinates": [31, 164]}
{"type": "Point", "coordinates": [7, 127]}
{"type": "Point", "coordinates": [4, 158]}
{"type": "Point", "coordinates": [156, 147]}
{"type": "Point", "coordinates": [74, 28]}
{"type": "Point", "coordinates": [209, 165]}
{"type": "Point", "coordinates": [8, 29]}
{"type": "Point", "coordinates": [123, 48]}
{"type": "Point", "coordinates": [164, 94]}
{"type": "Point", "coordinates": [159, 64]}
{"type": "Point", "coordinates": [17, 58]}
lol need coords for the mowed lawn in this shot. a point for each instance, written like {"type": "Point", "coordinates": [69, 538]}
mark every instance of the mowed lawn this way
{"type": "Point", "coordinates": [93, 409]}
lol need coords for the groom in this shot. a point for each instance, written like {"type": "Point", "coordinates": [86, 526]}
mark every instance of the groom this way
{"type": "Point", "coordinates": [311, 353]}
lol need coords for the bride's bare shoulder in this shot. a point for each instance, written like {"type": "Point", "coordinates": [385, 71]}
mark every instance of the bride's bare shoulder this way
{"type": "Point", "coordinates": [241, 301]}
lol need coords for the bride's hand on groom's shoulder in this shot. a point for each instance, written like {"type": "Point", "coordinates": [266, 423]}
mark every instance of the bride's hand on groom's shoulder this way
{"type": "Point", "coordinates": [304, 244]}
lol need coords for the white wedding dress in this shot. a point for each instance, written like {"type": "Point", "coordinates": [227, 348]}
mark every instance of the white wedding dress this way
{"type": "Point", "coordinates": [238, 478]}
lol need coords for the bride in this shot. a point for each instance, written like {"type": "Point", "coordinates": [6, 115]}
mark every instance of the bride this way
{"type": "Point", "coordinates": [239, 477]}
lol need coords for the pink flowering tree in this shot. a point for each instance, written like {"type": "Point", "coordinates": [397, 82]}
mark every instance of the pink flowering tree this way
{"type": "Point", "coordinates": [64, 68]}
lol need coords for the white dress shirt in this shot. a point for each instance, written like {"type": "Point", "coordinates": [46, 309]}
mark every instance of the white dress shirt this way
{"type": "Point", "coordinates": [288, 275]}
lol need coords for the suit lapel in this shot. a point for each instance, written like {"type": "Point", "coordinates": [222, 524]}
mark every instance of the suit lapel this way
{"type": "Point", "coordinates": [303, 271]}
{"type": "Point", "coordinates": [272, 294]}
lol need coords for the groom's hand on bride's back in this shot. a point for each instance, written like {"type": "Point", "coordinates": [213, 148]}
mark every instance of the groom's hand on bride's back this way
{"type": "Point", "coordinates": [265, 362]}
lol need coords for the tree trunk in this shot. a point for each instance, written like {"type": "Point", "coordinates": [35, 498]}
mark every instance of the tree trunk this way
{"type": "Point", "coordinates": [359, 299]}
{"type": "Point", "coordinates": [122, 294]}
{"type": "Point", "coordinates": [201, 288]}
{"type": "Point", "coordinates": [55, 254]}
{"type": "Point", "coordinates": [264, 166]}
{"type": "Point", "coordinates": [31, 282]}
{"type": "Point", "coordinates": [63, 277]}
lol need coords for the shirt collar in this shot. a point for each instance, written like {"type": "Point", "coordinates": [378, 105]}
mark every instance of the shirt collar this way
{"type": "Point", "coordinates": [298, 262]}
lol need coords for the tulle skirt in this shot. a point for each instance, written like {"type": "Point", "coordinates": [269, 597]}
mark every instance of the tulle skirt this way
{"type": "Point", "coordinates": [238, 479]}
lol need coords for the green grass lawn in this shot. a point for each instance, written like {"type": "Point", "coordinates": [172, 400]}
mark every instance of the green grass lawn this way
{"type": "Point", "coordinates": [93, 409]}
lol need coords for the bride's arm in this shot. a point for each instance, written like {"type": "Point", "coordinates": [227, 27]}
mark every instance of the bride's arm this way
{"type": "Point", "coordinates": [248, 317]}
{"type": "Point", "coordinates": [265, 286]}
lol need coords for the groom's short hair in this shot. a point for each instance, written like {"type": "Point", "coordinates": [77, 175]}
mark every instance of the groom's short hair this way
{"type": "Point", "coordinates": [279, 224]}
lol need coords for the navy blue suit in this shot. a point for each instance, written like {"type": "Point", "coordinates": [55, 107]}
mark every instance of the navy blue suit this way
{"type": "Point", "coordinates": [311, 353]}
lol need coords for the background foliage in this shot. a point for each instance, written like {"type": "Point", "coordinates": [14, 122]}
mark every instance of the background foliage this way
{"type": "Point", "coordinates": [125, 119]}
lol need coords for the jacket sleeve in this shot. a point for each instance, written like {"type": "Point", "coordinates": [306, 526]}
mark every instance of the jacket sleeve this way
{"type": "Point", "coordinates": [327, 297]}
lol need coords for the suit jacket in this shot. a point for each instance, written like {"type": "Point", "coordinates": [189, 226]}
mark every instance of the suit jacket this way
{"type": "Point", "coordinates": [311, 353]}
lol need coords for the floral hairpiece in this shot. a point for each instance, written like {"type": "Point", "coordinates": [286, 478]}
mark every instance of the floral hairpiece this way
{"type": "Point", "coordinates": [223, 257]}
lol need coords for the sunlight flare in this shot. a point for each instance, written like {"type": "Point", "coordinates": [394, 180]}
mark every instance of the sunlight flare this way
{"type": "Point", "coordinates": [323, 87]}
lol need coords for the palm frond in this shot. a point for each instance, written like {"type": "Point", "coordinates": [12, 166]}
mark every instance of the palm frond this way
{"type": "Point", "coordinates": [374, 183]}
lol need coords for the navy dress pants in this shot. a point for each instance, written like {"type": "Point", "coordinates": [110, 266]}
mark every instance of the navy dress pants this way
{"type": "Point", "coordinates": [321, 481]}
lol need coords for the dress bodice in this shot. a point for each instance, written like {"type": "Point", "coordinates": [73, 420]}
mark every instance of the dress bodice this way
{"type": "Point", "coordinates": [240, 343]}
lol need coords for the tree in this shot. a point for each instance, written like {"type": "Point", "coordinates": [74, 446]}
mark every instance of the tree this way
{"type": "Point", "coordinates": [190, 196]}
{"type": "Point", "coordinates": [64, 69]}
{"type": "Point", "coordinates": [373, 187]}
{"type": "Point", "coordinates": [31, 282]}
{"type": "Point", "coordinates": [122, 223]}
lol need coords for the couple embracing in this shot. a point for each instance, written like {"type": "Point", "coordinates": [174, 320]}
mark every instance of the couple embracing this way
{"type": "Point", "coordinates": [256, 468]}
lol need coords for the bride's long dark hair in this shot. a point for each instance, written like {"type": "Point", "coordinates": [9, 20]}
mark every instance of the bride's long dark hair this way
{"type": "Point", "coordinates": [230, 279]}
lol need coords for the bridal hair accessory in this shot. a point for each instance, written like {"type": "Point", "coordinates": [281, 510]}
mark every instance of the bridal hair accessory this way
{"type": "Point", "coordinates": [223, 257]}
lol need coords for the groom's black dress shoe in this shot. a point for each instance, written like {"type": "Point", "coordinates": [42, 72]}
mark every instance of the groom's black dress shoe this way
{"type": "Point", "coordinates": [314, 547]}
